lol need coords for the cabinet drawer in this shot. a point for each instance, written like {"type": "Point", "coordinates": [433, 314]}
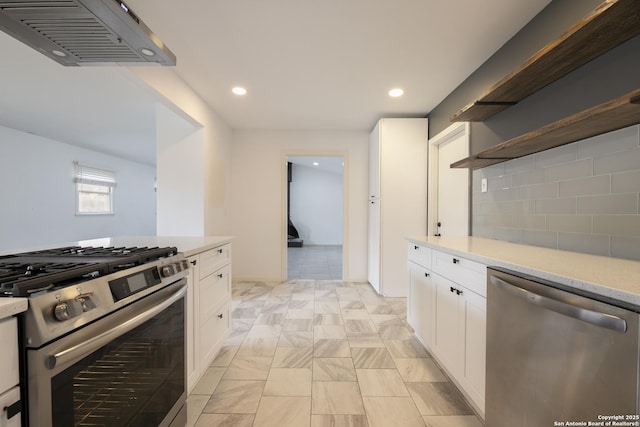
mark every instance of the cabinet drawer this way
{"type": "Point", "coordinates": [213, 259]}
{"type": "Point", "coordinates": [212, 332]}
{"type": "Point", "coordinates": [9, 353]}
{"type": "Point", "coordinates": [462, 271]}
{"type": "Point", "coordinates": [7, 399]}
{"type": "Point", "coordinates": [421, 255]}
{"type": "Point", "coordinates": [215, 290]}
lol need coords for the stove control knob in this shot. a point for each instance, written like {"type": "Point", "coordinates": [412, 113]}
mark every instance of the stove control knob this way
{"type": "Point", "coordinates": [185, 264]}
{"type": "Point", "coordinates": [66, 310]}
{"type": "Point", "coordinates": [86, 302]}
{"type": "Point", "coordinates": [167, 270]}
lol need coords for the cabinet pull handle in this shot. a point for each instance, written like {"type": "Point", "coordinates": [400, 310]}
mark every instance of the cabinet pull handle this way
{"type": "Point", "coordinates": [458, 291]}
{"type": "Point", "coordinates": [220, 276]}
{"type": "Point", "coordinates": [219, 251]}
{"type": "Point", "coordinates": [415, 247]}
{"type": "Point", "coordinates": [194, 262]}
{"type": "Point", "coordinates": [426, 275]}
{"type": "Point", "coordinates": [456, 261]}
{"type": "Point", "coordinates": [452, 289]}
{"type": "Point", "coordinates": [13, 409]}
{"type": "Point", "coordinates": [220, 316]}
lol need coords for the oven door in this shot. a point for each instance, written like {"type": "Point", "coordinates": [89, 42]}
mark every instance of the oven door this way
{"type": "Point", "coordinates": [126, 369]}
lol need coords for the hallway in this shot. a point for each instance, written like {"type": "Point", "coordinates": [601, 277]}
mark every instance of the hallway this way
{"type": "Point", "coordinates": [318, 262]}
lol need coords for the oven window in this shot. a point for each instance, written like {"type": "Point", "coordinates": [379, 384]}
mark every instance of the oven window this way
{"type": "Point", "coordinates": [133, 381]}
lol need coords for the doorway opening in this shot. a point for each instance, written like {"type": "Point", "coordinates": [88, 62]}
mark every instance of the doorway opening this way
{"type": "Point", "coordinates": [315, 217]}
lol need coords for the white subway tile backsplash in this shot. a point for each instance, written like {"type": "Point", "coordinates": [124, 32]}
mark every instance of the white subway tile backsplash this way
{"type": "Point", "coordinates": [582, 197]}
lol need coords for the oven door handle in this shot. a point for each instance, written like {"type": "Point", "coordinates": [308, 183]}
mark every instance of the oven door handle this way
{"type": "Point", "coordinates": [104, 338]}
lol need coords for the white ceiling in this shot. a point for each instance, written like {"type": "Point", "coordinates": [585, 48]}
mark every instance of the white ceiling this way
{"type": "Point", "coordinates": [328, 64]}
{"type": "Point", "coordinates": [307, 64]}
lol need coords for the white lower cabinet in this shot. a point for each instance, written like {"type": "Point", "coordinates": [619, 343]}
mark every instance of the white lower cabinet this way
{"type": "Point", "coordinates": [9, 388]}
{"type": "Point", "coordinates": [447, 309]}
{"type": "Point", "coordinates": [7, 399]}
{"type": "Point", "coordinates": [208, 309]}
{"type": "Point", "coordinates": [420, 303]}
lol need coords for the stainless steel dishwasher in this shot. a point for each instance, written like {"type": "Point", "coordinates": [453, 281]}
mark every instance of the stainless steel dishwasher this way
{"type": "Point", "coordinates": [554, 356]}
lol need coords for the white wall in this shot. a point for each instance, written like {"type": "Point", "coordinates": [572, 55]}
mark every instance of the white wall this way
{"type": "Point", "coordinates": [193, 162]}
{"type": "Point", "coordinates": [258, 199]}
{"type": "Point", "coordinates": [316, 205]}
{"type": "Point", "coordinates": [37, 193]}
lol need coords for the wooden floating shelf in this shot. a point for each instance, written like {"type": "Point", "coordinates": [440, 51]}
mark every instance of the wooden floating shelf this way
{"type": "Point", "coordinates": [603, 118]}
{"type": "Point", "coordinates": [613, 22]}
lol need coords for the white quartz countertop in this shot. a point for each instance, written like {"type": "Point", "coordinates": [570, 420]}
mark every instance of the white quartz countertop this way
{"type": "Point", "coordinates": [11, 306]}
{"type": "Point", "coordinates": [189, 245]}
{"type": "Point", "coordinates": [610, 277]}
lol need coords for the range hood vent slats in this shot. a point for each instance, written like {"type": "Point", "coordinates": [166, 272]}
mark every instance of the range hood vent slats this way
{"type": "Point", "coordinates": [85, 31]}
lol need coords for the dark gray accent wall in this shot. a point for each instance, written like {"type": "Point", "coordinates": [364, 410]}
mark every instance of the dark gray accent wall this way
{"type": "Point", "coordinates": [529, 200]}
{"type": "Point", "coordinates": [549, 24]}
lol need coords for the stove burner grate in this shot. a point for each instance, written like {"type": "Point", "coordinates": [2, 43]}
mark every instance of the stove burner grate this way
{"type": "Point", "coordinates": [26, 273]}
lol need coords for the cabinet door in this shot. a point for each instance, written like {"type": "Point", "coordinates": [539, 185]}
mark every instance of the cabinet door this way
{"type": "Point", "coordinates": [420, 313]}
{"type": "Point", "coordinates": [473, 313]}
{"type": "Point", "coordinates": [373, 268]}
{"type": "Point", "coordinates": [193, 314]}
{"type": "Point", "coordinates": [445, 342]}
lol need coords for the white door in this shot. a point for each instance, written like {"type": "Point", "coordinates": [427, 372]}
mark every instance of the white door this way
{"type": "Point", "coordinates": [449, 188]}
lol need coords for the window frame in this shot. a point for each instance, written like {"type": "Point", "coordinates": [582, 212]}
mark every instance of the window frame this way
{"type": "Point", "coordinates": [88, 175]}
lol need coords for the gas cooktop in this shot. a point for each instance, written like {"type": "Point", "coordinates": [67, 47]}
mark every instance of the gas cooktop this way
{"type": "Point", "coordinates": [26, 273]}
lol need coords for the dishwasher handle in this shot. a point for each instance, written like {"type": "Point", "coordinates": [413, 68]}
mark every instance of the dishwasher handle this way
{"type": "Point", "coordinates": [602, 320]}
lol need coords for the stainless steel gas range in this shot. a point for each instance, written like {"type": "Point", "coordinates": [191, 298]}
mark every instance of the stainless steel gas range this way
{"type": "Point", "coordinates": [103, 340]}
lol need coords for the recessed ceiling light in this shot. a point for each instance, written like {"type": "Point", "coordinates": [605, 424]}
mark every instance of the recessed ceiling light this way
{"type": "Point", "coordinates": [239, 90]}
{"type": "Point", "coordinates": [316, 164]}
{"type": "Point", "coordinates": [396, 92]}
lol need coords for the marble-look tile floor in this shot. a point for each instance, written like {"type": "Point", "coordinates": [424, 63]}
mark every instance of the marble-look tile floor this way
{"type": "Point", "coordinates": [319, 262]}
{"type": "Point", "coordinates": [322, 353]}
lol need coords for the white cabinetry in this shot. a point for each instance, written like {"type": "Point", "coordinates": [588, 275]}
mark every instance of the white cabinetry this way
{"type": "Point", "coordinates": [447, 309]}
{"type": "Point", "coordinates": [421, 299]}
{"type": "Point", "coordinates": [208, 321]}
{"type": "Point", "coordinates": [9, 389]}
{"type": "Point", "coordinates": [397, 199]}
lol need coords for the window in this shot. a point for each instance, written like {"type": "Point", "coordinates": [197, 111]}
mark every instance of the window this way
{"type": "Point", "coordinates": [94, 190]}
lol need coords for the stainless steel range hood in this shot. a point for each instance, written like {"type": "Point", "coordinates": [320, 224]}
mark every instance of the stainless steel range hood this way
{"type": "Point", "coordinates": [84, 32]}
